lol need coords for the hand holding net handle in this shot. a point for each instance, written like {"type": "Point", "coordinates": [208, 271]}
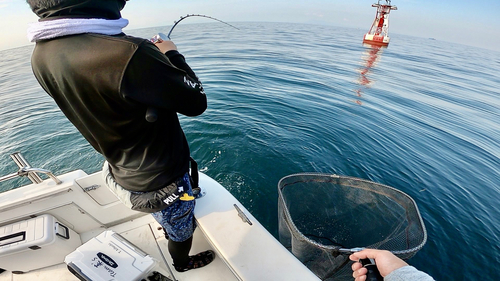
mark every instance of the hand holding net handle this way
{"type": "Point", "coordinates": [373, 274]}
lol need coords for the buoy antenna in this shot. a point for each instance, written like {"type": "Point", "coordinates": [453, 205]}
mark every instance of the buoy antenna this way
{"type": "Point", "coordinates": [193, 15]}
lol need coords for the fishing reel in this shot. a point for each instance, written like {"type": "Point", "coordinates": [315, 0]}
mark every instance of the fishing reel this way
{"type": "Point", "coordinates": [158, 38]}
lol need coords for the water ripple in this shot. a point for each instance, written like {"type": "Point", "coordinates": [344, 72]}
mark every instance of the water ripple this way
{"type": "Point", "coordinates": [421, 116]}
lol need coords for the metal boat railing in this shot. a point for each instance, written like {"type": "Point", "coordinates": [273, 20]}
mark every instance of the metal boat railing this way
{"type": "Point", "coordinates": [25, 170]}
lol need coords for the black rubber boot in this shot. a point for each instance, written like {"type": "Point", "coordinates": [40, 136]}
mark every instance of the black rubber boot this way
{"type": "Point", "coordinates": [179, 251]}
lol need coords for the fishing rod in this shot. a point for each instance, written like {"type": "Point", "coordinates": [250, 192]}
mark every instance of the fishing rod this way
{"type": "Point", "coordinates": [162, 37]}
{"type": "Point", "coordinates": [196, 15]}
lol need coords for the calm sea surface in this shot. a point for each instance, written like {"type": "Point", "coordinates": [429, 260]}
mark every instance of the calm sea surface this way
{"type": "Point", "coordinates": [422, 116]}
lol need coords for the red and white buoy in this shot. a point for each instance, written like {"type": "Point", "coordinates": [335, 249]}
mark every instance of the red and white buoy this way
{"type": "Point", "coordinates": [379, 32]}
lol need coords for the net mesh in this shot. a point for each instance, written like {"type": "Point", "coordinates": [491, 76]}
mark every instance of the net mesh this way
{"type": "Point", "coordinates": [319, 214]}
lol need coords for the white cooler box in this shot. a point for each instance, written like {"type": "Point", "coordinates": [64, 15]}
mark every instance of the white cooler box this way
{"type": "Point", "coordinates": [109, 256]}
{"type": "Point", "coordinates": [35, 243]}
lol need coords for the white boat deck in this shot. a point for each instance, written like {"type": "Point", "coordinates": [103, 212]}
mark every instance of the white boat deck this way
{"type": "Point", "coordinates": [243, 251]}
{"type": "Point", "coordinates": [142, 232]}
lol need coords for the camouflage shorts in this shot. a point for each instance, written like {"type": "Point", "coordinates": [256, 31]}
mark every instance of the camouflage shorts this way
{"type": "Point", "coordinates": [178, 219]}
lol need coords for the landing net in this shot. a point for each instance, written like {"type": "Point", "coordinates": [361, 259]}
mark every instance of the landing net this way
{"type": "Point", "coordinates": [319, 214]}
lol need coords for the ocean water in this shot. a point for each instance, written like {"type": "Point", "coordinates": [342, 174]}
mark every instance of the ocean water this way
{"type": "Point", "coordinates": [421, 116]}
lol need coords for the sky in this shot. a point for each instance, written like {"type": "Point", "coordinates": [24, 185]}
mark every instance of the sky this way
{"type": "Point", "coordinates": [474, 23]}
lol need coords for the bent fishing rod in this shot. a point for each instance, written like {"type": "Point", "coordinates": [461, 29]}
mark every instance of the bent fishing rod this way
{"type": "Point", "coordinates": [196, 15]}
{"type": "Point", "coordinates": [163, 37]}
{"type": "Point", "coordinates": [151, 112]}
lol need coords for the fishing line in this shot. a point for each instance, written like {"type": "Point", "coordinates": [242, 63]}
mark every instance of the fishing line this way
{"type": "Point", "coordinates": [196, 15]}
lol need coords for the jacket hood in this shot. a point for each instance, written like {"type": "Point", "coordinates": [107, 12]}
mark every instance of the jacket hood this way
{"type": "Point", "coordinates": [105, 9]}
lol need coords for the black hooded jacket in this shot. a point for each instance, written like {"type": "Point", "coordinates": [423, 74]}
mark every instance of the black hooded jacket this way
{"type": "Point", "coordinates": [55, 9]}
{"type": "Point", "coordinates": [104, 85]}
